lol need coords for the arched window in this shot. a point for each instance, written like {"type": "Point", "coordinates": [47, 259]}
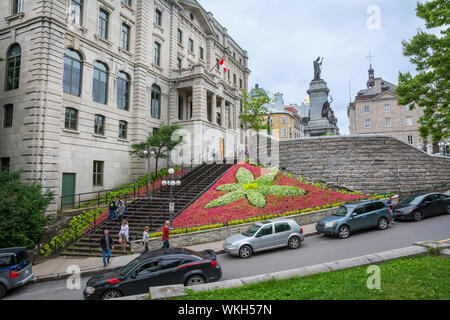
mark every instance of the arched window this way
{"type": "Point", "coordinates": [123, 91]}
{"type": "Point", "coordinates": [13, 67]}
{"type": "Point", "coordinates": [100, 83]}
{"type": "Point", "coordinates": [72, 72]}
{"type": "Point", "coordinates": [156, 102]}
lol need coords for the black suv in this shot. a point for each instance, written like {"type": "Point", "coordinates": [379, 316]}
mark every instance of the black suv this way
{"type": "Point", "coordinates": [152, 269]}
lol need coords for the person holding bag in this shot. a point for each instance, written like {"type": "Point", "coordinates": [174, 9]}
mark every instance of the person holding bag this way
{"type": "Point", "coordinates": [123, 234]}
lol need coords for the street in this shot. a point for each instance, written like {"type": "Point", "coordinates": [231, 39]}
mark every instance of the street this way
{"type": "Point", "coordinates": [314, 250]}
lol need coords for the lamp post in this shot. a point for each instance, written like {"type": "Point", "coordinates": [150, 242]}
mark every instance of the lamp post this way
{"type": "Point", "coordinates": [171, 182]}
{"type": "Point", "coordinates": [149, 154]}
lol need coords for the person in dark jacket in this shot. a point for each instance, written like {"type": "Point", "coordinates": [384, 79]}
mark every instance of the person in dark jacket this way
{"type": "Point", "coordinates": [106, 245]}
{"type": "Point", "coordinates": [112, 210]}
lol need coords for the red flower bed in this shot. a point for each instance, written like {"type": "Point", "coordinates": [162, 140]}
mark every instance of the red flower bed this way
{"type": "Point", "coordinates": [196, 214]}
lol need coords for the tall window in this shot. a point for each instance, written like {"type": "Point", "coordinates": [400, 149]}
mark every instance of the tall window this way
{"type": "Point", "coordinates": [123, 127]}
{"type": "Point", "coordinates": [191, 45]}
{"type": "Point", "coordinates": [157, 58]}
{"type": "Point", "coordinates": [5, 164]}
{"type": "Point", "coordinates": [366, 109]}
{"type": "Point", "coordinates": [72, 72]}
{"type": "Point", "coordinates": [368, 124]}
{"type": "Point", "coordinates": [410, 140]}
{"type": "Point", "coordinates": [76, 9]}
{"type": "Point", "coordinates": [123, 91]}
{"type": "Point", "coordinates": [234, 79]}
{"type": "Point", "coordinates": [409, 121]}
{"type": "Point", "coordinates": [100, 84]}
{"type": "Point", "coordinates": [387, 108]}
{"type": "Point", "coordinates": [158, 16]}
{"type": "Point", "coordinates": [103, 19]}
{"type": "Point", "coordinates": [71, 119]}
{"type": "Point", "coordinates": [283, 132]}
{"type": "Point", "coordinates": [98, 173]}
{"type": "Point", "coordinates": [388, 122]}
{"type": "Point", "coordinates": [8, 116]}
{"type": "Point", "coordinates": [283, 120]}
{"type": "Point", "coordinates": [201, 52]}
{"type": "Point", "coordinates": [17, 6]}
{"type": "Point", "coordinates": [178, 63]}
{"type": "Point", "coordinates": [128, 2]}
{"type": "Point", "coordinates": [156, 102]}
{"type": "Point", "coordinates": [180, 36]}
{"type": "Point", "coordinates": [240, 83]}
{"type": "Point", "coordinates": [99, 125]}
{"type": "Point", "coordinates": [13, 67]}
{"type": "Point", "coordinates": [125, 37]}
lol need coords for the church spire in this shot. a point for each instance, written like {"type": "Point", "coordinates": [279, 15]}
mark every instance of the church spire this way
{"type": "Point", "coordinates": [371, 81]}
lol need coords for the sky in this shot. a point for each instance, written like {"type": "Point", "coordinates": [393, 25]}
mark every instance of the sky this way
{"type": "Point", "coordinates": [283, 37]}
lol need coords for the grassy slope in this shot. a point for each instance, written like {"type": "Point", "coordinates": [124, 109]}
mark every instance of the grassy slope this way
{"type": "Point", "coordinates": [426, 277]}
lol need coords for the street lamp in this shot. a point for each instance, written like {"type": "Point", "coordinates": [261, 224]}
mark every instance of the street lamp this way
{"type": "Point", "coordinates": [171, 182]}
{"type": "Point", "coordinates": [148, 154]}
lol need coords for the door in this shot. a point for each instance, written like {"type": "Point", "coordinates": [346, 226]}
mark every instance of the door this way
{"type": "Point", "coordinates": [264, 238]}
{"type": "Point", "coordinates": [68, 191]}
{"type": "Point", "coordinates": [359, 219]}
{"type": "Point", "coordinates": [282, 232]}
{"type": "Point", "coordinates": [434, 205]}
{"type": "Point", "coordinates": [141, 279]}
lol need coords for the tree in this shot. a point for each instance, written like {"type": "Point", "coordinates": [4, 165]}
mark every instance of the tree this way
{"type": "Point", "coordinates": [254, 109]}
{"type": "Point", "coordinates": [22, 211]}
{"type": "Point", "coordinates": [160, 143]}
{"type": "Point", "coordinates": [430, 53]}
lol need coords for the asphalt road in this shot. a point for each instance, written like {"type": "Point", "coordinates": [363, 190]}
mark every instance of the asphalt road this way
{"type": "Point", "coordinates": [314, 250]}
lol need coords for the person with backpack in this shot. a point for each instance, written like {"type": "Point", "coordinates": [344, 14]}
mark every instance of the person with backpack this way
{"type": "Point", "coordinates": [106, 245]}
{"type": "Point", "coordinates": [112, 210]}
{"type": "Point", "coordinates": [120, 209]}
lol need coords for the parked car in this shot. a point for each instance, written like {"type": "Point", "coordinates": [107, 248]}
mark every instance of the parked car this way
{"type": "Point", "coordinates": [155, 268]}
{"type": "Point", "coordinates": [15, 269]}
{"type": "Point", "coordinates": [264, 236]}
{"type": "Point", "coordinates": [355, 216]}
{"type": "Point", "coordinates": [419, 206]}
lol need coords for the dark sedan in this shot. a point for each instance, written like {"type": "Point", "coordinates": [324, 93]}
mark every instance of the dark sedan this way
{"type": "Point", "coordinates": [417, 207]}
{"type": "Point", "coordinates": [155, 268]}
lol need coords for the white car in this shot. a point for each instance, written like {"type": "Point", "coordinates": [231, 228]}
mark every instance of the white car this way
{"type": "Point", "coordinates": [264, 236]}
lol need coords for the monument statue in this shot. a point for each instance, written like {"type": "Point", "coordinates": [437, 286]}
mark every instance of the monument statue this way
{"type": "Point", "coordinates": [317, 68]}
{"type": "Point", "coordinates": [326, 109]}
{"type": "Point", "coordinates": [333, 119]}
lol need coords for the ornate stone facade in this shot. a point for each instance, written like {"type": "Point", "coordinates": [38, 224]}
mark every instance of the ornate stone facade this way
{"type": "Point", "coordinates": [44, 142]}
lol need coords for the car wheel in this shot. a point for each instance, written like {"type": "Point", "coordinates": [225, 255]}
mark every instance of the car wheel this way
{"type": "Point", "coordinates": [344, 232]}
{"type": "Point", "coordinates": [418, 216]}
{"type": "Point", "coordinates": [245, 252]}
{"type": "Point", "coordinates": [382, 224]}
{"type": "Point", "coordinates": [194, 280]}
{"type": "Point", "coordinates": [294, 242]}
{"type": "Point", "coordinates": [111, 294]}
{"type": "Point", "coordinates": [2, 291]}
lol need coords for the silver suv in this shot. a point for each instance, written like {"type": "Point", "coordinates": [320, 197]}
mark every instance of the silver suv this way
{"type": "Point", "coordinates": [264, 236]}
{"type": "Point", "coordinates": [15, 269]}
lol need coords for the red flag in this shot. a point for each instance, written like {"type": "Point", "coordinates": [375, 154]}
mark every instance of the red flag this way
{"type": "Point", "coordinates": [222, 61]}
{"type": "Point", "coordinates": [225, 70]}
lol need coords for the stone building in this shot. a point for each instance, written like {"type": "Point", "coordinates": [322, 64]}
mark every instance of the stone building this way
{"type": "Point", "coordinates": [375, 110]}
{"type": "Point", "coordinates": [86, 79]}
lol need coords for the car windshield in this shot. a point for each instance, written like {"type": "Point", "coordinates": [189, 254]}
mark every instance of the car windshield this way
{"type": "Point", "coordinates": [341, 211]}
{"type": "Point", "coordinates": [411, 200]}
{"type": "Point", "coordinates": [251, 232]}
{"type": "Point", "coordinates": [124, 270]}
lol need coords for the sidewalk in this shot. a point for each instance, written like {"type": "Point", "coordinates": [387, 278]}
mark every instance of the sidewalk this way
{"type": "Point", "coordinates": [57, 268]}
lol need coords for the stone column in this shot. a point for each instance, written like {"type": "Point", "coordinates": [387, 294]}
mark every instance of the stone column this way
{"type": "Point", "coordinates": [199, 102]}
{"type": "Point", "coordinates": [223, 113]}
{"type": "Point", "coordinates": [214, 108]}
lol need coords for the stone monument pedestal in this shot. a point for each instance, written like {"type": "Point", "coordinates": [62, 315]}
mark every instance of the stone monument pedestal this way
{"type": "Point", "coordinates": [319, 124]}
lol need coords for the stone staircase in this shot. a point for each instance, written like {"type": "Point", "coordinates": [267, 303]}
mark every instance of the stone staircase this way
{"type": "Point", "coordinates": [152, 211]}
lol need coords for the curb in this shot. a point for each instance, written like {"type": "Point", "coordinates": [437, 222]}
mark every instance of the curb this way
{"type": "Point", "coordinates": [164, 292]}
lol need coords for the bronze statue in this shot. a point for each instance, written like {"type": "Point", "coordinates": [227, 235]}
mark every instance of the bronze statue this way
{"type": "Point", "coordinates": [326, 110]}
{"type": "Point", "coordinates": [317, 68]}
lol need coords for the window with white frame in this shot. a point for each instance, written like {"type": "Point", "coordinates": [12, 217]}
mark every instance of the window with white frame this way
{"type": "Point", "coordinates": [283, 133]}
{"type": "Point", "coordinates": [387, 108]}
{"type": "Point", "coordinates": [368, 124]}
{"type": "Point", "coordinates": [366, 109]}
{"type": "Point", "coordinates": [387, 122]}
{"type": "Point", "coordinates": [409, 121]}
{"type": "Point", "coordinates": [283, 120]}
{"type": "Point", "coordinates": [76, 11]}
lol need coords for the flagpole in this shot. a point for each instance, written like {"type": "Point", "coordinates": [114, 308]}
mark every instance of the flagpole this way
{"type": "Point", "coordinates": [217, 63]}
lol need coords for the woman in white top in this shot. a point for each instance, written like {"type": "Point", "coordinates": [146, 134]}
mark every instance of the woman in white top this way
{"type": "Point", "coordinates": [123, 234]}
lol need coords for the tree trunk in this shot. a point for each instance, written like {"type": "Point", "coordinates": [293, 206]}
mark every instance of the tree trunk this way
{"type": "Point", "coordinates": [156, 167]}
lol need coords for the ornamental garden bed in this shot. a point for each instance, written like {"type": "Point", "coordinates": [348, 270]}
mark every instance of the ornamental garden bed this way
{"type": "Point", "coordinates": [249, 191]}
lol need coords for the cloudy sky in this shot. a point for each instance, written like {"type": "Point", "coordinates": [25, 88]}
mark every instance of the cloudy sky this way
{"type": "Point", "coordinates": [283, 37]}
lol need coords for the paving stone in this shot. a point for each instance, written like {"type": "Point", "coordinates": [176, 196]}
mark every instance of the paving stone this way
{"type": "Point", "coordinates": [217, 285]}
{"type": "Point", "coordinates": [349, 263]}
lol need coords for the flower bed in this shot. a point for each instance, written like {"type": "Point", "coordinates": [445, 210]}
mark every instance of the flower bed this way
{"type": "Point", "coordinates": [204, 210]}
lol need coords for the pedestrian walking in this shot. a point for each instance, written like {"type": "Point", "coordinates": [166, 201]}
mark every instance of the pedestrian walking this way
{"type": "Point", "coordinates": [145, 238]}
{"type": "Point", "coordinates": [390, 205]}
{"type": "Point", "coordinates": [112, 210]}
{"type": "Point", "coordinates": [106, 245]}
{"type": "Point", "coordinates": [123, 234]}
{"type": "Point", "coordinates": [120, 210]}
{"type": "Point", "coordinates": [165, 235]}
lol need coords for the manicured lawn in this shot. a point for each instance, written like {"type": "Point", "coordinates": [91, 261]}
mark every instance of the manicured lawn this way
{"type": "Point", "coordinates": [416, 278]}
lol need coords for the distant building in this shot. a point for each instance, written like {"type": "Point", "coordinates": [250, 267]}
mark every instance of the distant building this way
{"type": "Point", "coordinates": [375, 110]}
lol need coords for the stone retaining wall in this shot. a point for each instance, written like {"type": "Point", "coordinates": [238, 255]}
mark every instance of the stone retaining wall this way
{"type": "Point", "coordinates": [367, 163]}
